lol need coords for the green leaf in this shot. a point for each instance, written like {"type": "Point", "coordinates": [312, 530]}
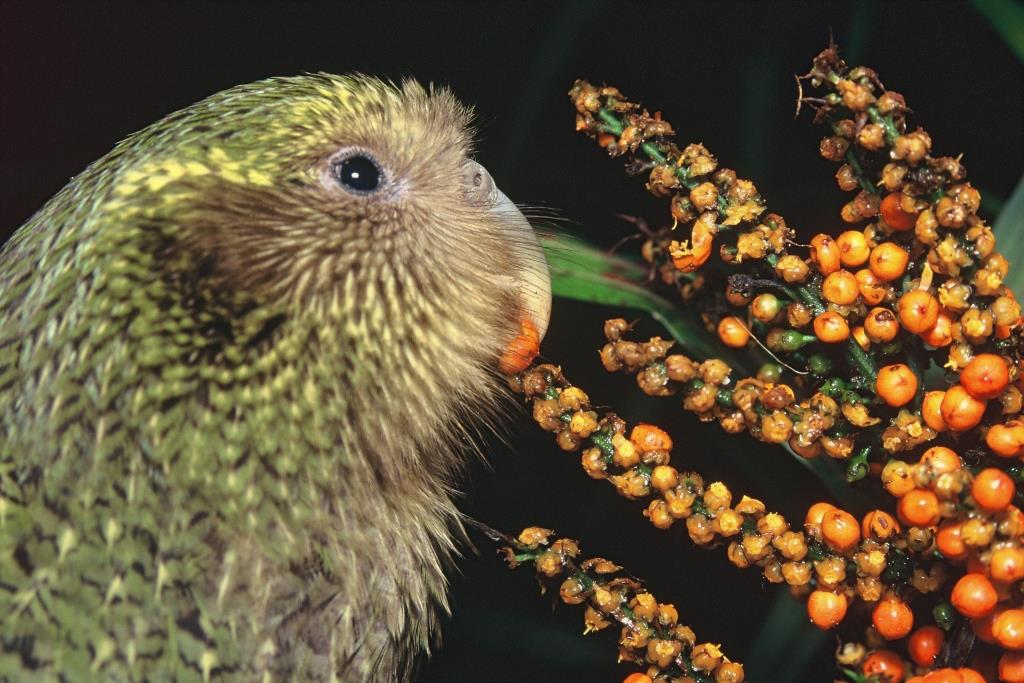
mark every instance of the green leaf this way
{"type": "Point", "coordinates": [831, 474]}
{"type": "Point", "coordinates": [787, 640]}
{"type": "Point", "coordinates": [1008, 227]}
{"type": "Point", "coordinates": [1007, 18]}
{"type": "Point", "coordinates": [581, 272]}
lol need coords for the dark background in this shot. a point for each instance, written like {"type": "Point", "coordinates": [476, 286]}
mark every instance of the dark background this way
{"type": "Point", "coordinates": [76, 77]}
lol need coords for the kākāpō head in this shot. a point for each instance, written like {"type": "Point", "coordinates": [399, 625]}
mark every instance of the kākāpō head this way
{"type": "Point", "coordinates": [240, 357]}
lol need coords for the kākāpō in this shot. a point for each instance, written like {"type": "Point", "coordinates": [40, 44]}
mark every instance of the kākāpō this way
{"type": "Point", "coordinates": [238, 356]}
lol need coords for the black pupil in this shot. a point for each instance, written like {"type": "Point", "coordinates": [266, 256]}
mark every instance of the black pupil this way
{"type": "Point", "coordinates": [359, 173]}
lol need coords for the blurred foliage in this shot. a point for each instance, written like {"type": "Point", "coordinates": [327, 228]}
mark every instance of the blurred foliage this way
{"type": "Point", "coordinates": [1009, 228]}
{"type": "Point", "coordinates": [581, 272]}
{"type": "Point", "coordinates": [1006, 17]}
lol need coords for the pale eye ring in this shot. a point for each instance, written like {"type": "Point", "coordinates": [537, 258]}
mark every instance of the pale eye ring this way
{"type": "Point", "coordinates": [358, 173]}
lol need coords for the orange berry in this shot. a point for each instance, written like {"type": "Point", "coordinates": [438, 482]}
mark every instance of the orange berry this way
{"type": "Point", "coordinates": [896, 384]}
{"type": "Point", "coordinates": [1011, 667]}
{"type": "Point", "coordinates": [1008, 628]}
{"type": "Point", "coordinates": [942, 676]}
{"type": "Point", "coordinates": [882, 663]}
{"type": "Point", "coordinates": [826, 609]}
{"type": "Point", "coordinates": [888, 261]}
{"type": "Point", "coordinates": [765, 307]}
{"type": "Point", "coordinates": [925, 644]}
{"type": "Point", "coordinates": [919, 507]}
{"type": "Point", "coordinates": [918, 311]}
{"type": "Point", "coordinates": [974, 596]}
{"type": "Point", "coordinates": [816, 513]}
{"type": "Point", "coordinates": [881, 325]}
{"type": "Point", "coordinates": [931, 410]}
{"type": "Point", "coordinates": [970, 675]}
{"type": "Point", "coordinates": [664, 477]}
{"type": "Point", "coordinates": [860, 337]}
{"type": "Point", "coordinates": [982, 627]}
{"type": "Point", "coordinates": [896, 478]}
{"type": "Point", "coordinates": [824, 254]}
{"type": "Point", "coordinates": [938, 676]}
{"type": "Point", "coordinates": [961, 411]}
{"type": "Point", "coordinates": [950, 542]}
{"type": "Point", "coordinates": [939, 335]}
{"type": "Point", "coordinates": [831, 328]}
{"type": "Point", "coordinates": [872, 290]}
{"type": "Point", "coordinates": [840, 288]}
{"type": "Point", "coordinates": [840, 530]}
{"type": "Point", "coordinates": [853, 248]}
{"type": "Point", "coordinates": [701, 241]}
{"type": "Point", "coordinates": [892, 618]}
{"type": "Point", "coordinates": [522, 350]}
{"type": "Point", "coordinates": [733, 332]}
{"type": "Point", "coordinates": [894, 214]}
{"type": "Point", "coordinates": [1007, 564]}
{"type": "Point", "coordinates": [1013, 516]}
{"type": "Point", "coordinates": [976, 566]}
{"type": "Point", "coordinates": [1006, 440]}
{"type": "Point", "coordinates": [650, 438]}
{"type": "Point", "coordinates": [637, 678]}
{"type": "Point", "coordinates": [941, 459]}
{"type": "Point", "coordinates": [986, 376]}
{"type": "Point", "coordinates": [992, 489]}
{"type": "Point", "coordinates": [879, 525]}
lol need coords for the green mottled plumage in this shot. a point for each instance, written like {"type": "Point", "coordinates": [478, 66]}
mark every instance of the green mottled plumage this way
{"type": "Point", "coordinates": [229, 389]}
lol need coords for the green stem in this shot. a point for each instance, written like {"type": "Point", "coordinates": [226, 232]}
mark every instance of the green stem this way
{"type": "Point", "coordinates": [864, 363]}
{"type": "Point", "coordinates": [857, 467]}
{"type": "Point", "coordinates": [810, 299]}
{"type": "Point", "coordinates": [585, 579]}
{"type": "Point", "coordinates": [614, 126]}
{"type": "Point", "coordinates": [887, 123]}
{"type": "Point", "coordinates": [858, 170]}
{"type": "Point", "coordinates": [917, 360]}
{"type": "Point", "coordinates": [603, 441]}
{"type": "Point", "coordinates": [611, 121]}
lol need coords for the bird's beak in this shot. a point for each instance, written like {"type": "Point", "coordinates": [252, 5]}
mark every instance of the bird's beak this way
{"type": "Point", "coordinates": [534, 285]}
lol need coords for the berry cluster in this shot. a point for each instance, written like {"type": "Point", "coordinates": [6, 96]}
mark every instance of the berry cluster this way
{"type": "Point", "coordinates": [651, 632]}
{"type": "Point", "coordinates": [895, 339]}
{"type": "Point", "coordinates": [832, 560]}
{"type": "Point", "coordinates": [763, 406]}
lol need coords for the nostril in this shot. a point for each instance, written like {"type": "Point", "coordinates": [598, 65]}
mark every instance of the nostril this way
{"type": "Point", "coordinates": [477, 184]}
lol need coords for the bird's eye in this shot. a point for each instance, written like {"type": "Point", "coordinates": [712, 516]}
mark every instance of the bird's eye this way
{"type": "Point", "coordinates": [358, 173]}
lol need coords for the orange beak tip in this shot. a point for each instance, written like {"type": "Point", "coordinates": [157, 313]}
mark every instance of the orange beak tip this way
{"type": "Point", "coordinates": [522, 350]}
